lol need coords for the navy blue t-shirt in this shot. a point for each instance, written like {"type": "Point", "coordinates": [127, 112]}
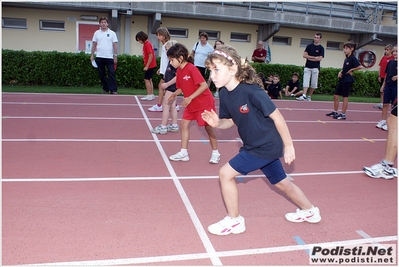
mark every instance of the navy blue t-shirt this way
{"type": "Point", "coordinates": [249, 107]}
{"type": "Point", "coordinates": [349, 63]}
{"type": "Point", "coordinates": [391, 70]}
{"type": "Point", "coordinates": [291, 84]}
{"type": "Point", "coordinates": [315, 51]}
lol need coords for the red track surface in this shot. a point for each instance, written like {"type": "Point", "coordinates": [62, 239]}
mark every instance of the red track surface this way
{"type": "Point", "coordinates": [85, 182]}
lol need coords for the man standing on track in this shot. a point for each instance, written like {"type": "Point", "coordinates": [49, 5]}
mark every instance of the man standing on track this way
{"type": "Point", "coordinates": [313, 53]}
{"type": "Point", "coordinates": [105, 43]}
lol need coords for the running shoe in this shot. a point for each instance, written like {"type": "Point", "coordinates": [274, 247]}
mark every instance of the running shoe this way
{"type": "Point", "coordinates": [312, 215]}
{"type": "Point", "coordinates": [173, 129]}
{"type": "Point", "coordinates": [215, 158]}
{"type": "Point", "coordinates": [332, 114]}
{"type": "Point", "coordinates": [381, 123]}
{"type": "Point", "coordinates": [340, 117]}
{"type": "Point", "coordinates": [301, 98]}
{"type": "Point", "coordinates": [179, 157]}
{"type": "Point", "coordinates": [381, 170]}
{"type": "Point", "coordinates": [385, 127]}
{"type": "Point", "coordinates": [148, 97]}
{"type": "Point", "coordinates": [309, 98]}
{"type": "Point", "coordinates": [160, 130]}
{"type": "Point", "coordinates": [378, 106]}
{"type": "Point", "coordinates": [228, 226]}
{"type": "Point", "coordinates": [156, 108]}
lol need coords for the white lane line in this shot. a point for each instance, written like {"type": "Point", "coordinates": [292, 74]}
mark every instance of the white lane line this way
{"type": "Point", "coordinates": [190, 209]}
{"type": "Point", "coordinates": [149, 178]}
{"type": "Point", "coordinates": [231, 253]}
{"type": "Point", "coordinates": [191, 140]}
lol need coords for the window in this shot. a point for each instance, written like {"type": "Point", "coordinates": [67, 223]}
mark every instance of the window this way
{"type": "Point", "coordinates": [305, 42]}
{"type": "Point", "coordinates": [240, 37]}
{"type": "Point", "coordinates": [213, 35]}
{"type": "Point", "coordinates": [175, 32]}
{"type": "Point", "coordinates": [52, 25]}
{"type": "Point", "coordinates": [334, 45]}
{"type": "Point", "coordinates": [14, 23]}
{"type": "Point", "coordinates": [281, 40]}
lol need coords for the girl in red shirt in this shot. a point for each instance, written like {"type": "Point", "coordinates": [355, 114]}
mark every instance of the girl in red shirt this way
{"type": "Point", "coordinates": [197, 98]}
{"type": "Point", "coordinates": [149, 63]}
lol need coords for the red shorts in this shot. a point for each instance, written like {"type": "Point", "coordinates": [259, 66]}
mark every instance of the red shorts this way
{"type": "Point", "coordinates": [195, 116]}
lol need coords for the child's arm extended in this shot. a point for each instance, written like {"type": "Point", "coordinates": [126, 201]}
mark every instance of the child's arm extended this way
{"type": "Point", "coordinates": [282, 128]}
{"type": "Point", "coordinates": [187, 100]}
{"type": "Point", "coordinates": [213, 120]}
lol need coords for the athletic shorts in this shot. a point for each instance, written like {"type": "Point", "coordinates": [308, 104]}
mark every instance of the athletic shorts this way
{"type": "Point", "coordinates": [148, 74]}
{"type": "Point", "coordinates": [390, 93]}
{"type": "Point", "coordinates": [194, 116]}
{"type": "Point", "coordinates": [343, 89]}
{"type": "Point", "coordinates": [245, 163]}
{"type": "Point", "coordinates": [307, 74]}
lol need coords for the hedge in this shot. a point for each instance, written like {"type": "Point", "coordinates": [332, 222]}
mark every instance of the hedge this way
{"type": "Point", "coordinates": [75, 69]}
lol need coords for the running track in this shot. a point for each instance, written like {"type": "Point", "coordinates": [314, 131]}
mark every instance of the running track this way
{"type": "Point", "coordinates": [84, 182]}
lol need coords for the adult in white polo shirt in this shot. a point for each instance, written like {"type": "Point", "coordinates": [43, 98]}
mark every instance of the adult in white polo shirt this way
{"type": "Point", "coordinates": [105, 44]}
{"type": "Point", "coordinates": [200, 51]}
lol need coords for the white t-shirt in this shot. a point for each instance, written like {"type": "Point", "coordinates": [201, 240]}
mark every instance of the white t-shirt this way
{"type": "Point", "coordinates": [164, 60]}
{"type": "Point", "coordinates": [201, 52]}
{"type": "Point", "coordinates": [105, 41]}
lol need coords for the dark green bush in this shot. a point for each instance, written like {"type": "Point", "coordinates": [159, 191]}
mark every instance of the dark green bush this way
{"type": "Point", "coordinates": [74, 69]}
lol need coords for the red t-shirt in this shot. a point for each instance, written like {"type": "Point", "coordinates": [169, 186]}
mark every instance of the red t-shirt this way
{"type": "Point", "coordinates": [383, 65]}
{"type": "Point", "coordinates": [261, 53]}
{"type": "Point", "coordinates": [188, 80]}
{"type": "Point", "coordinates": [149, 49]}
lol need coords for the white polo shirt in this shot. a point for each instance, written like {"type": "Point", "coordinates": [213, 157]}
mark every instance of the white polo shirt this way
{"type": "Point", "coordinates": [105, 41]}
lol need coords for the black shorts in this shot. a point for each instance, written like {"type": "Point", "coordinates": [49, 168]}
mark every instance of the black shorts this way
{"type": "Point", "coordinates": [148, 74]}
{"type": "Point", "coordinates": [343, 89]}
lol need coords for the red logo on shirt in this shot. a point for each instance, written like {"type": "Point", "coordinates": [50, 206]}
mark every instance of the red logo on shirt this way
{"type": "Point", "coordinates": [244, 109]}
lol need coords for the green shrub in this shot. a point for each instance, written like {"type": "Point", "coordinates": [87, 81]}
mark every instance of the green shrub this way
{"type": "Point", "coordinates": [74, 69]}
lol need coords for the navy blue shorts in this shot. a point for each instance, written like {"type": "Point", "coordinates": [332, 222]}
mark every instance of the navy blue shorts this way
{"type": "Point", "coordinates": [390, 93]}
{"type": "Point", "coordinates": [245, 163]}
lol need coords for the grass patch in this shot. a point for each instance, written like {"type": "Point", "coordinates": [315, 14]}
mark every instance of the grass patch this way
{"type": "Point", "coordinates": [131, 91]}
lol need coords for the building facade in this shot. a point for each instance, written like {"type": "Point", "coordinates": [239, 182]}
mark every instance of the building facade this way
{"type": "Point", "coordinates": [285, 27]}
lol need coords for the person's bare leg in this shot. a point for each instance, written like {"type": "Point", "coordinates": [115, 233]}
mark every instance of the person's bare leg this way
{"type": "Point", "coordinates": [294, 193]}
{"type": "Point", "coordinates": [229, 189]}
{"type": "Point", "coordinates": [391, 149]}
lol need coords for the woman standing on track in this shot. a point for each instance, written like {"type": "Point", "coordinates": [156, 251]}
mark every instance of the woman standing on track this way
{"type": "Point", "coordinates": [264, 133]}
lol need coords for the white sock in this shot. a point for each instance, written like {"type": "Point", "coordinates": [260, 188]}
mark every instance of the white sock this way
{"type": "Point", "coordinates": [184, 151]}
{"type": "Point", "coordinates": [215, 151]}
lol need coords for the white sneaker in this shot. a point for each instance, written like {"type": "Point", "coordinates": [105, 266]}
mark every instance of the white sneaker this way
{"type": "Point", "coordinates": [156, 108]}
{"type": "Point", "coordinates": [215, 158]}
{"type": "Point", "coordinates": [381, 123]}
{"type": "Point", "coordinates": [301, 98]}
{"type": "Point", "coordinates": [309, 98]}
{"type": "Point", "coordinates": [385, 127]}
{"type": "Point", "coordinates": [379, 106]}
{"type": "Point", "coordinates": [148, 97]}
{"type": "Point", "coordinates": [228, 226]}
{"type": "Point", "coordinates": [312, 215]}
{"type": "Point", "coordinates": [179, 157]}
{"type": "Point", "coordinates": [381, 170]}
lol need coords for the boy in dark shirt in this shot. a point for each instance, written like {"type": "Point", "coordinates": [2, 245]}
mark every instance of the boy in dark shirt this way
{"type": "Point", "coordinates": [292, 87]}
{"type": "Point", "coordinates": [274, 89]}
